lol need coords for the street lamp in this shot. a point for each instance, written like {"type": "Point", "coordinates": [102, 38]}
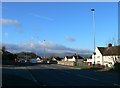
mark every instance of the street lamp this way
{"type": "Point", "coordinates": [44, 51]}
{"type": "Point", "coordinates": [93, 11]}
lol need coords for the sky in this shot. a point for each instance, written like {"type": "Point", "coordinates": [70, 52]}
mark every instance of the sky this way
{"type": "Point", "coordinates": [65, 26]}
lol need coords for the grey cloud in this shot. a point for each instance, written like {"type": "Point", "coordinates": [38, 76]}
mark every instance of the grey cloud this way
{"type": "Point", "coordinates": [9, 22]}
{"type": "Point", "coordinates": [69, 38]}
{"type": "Point", "coordinates": [39, 49]}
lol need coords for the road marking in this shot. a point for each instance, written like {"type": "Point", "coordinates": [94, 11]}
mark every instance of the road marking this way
{"type": "Point", "coordinates": [77, 68]}
{"type": "Point", "coordinates": [116, 84]}
{"type": "Point", "coordinates": [83, 76]}
{"type": "Point", "coordinates": [88, 77]}
{"type": "Point", "coordinates": [49, 67]}
{"type": "Point", "coordinates": [14, 67]}
{"type": "Point", "coordinates": [32, 76]}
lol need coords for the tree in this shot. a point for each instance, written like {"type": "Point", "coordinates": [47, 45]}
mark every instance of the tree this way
{"type": "Point", "coordinates": [3, 49]}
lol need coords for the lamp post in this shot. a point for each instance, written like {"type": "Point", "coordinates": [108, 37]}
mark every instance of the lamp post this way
{"type": "Point", "coordinates": [93, 11]}
{"type": "Point", "coordinates": [44, 51]}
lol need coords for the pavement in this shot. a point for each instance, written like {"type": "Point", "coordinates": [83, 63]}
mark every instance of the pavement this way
{"type": "Point", "coordinates": [58, 75]}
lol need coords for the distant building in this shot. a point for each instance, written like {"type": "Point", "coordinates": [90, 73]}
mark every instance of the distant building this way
{"type": "Point", "coordinates": [73, 58]}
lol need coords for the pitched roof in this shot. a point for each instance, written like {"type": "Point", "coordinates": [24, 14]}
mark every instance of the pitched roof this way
{"type": "Point", "coordinates": [76, 57]}
{"type": "Point", "coordinates": [102, 49]}
{"type": "Point", "coordinates": [69, 57]}
{"type": "Point", "coordinates": [113, 50]}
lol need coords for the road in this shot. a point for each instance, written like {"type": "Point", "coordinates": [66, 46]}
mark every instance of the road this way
{"type": "Point", "coordinates": [58, 75]}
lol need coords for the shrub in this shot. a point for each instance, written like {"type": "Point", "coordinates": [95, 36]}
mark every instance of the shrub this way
{"type": "Point", "coordinates": [117, 67]}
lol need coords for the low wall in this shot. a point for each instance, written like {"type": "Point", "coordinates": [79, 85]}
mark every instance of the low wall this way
{"type": "Point", "coordinates": [69, 63]}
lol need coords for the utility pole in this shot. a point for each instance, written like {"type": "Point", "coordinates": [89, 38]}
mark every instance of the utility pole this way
{"type": "Point", "coordinates": [94, 29]}
{"type": "Point", "coordinates": [44, 51]}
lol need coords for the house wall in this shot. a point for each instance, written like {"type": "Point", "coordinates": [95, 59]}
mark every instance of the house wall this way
{"type": "Point", "coordinates": [109, 60]}
{"type": "Point", "coordinates": [89, 60]}
{"type": "Point", "coordinates": [98, 58]}
{"type": "Point", "coordinates": [65, 59]}
{"type": "Point", "coordinates": [71, 59]}
{"type": "Point", "coordinates": [69, 63]}
{"type": "Point", "coordinates": [54, 59]}
{"type": "Point", "coordinates": [103, 60]}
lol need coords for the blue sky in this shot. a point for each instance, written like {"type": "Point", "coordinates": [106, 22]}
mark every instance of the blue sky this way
{"type": "Point", "coordinates": [66, 24]}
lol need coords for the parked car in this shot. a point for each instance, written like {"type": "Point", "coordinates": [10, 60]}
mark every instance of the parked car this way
{"type": "Point", "coordinates": [33, 60]}
{"type": "Point", "coordinates": [53, 62]}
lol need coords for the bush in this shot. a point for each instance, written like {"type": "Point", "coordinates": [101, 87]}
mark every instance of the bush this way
{"type": "Point", "coordinates": [117, 67]}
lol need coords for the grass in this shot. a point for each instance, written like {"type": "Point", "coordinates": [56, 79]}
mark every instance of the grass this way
{"type": "Point", "coordinates": [95, 68]}
{"type": "Point", "coordinates": [83, 67]}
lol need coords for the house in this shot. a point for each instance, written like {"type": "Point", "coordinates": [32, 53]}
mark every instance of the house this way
{"type": "Point", "coordinates": [39, 59]}
{"type": "Point", "coordinates": [107, 56]}
{"type": "Point", "coordinates": [88, 60]}
{"type": "Point", "coordinates": [53, 59]}
{"type": "Point", "coordinates": [73, 58]}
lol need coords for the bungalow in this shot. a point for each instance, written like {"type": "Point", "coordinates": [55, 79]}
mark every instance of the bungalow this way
{"type": "Point", "coordinates": [73, 58]}
{"type": "Point", "coordinates": [39, 59]}
{"type": "Point", "coordinates": [53, 59]}
{"type": "Point", "coordinates": [36, 60]}
{"type": "Point", "coordinates": [107, 56]}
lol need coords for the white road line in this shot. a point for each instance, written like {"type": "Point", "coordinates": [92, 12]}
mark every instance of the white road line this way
{"type": "Point", "coordinates": [67, 67]}
{"type": "Point", "coordinates": [14, 67]}
{"type": "Point", "coordinates": [32, 76]}
{"type": "Point", "coordinates": [116, 84]}
{"type": "Point", "coordinates": [87, 77]}
{"type": "Point", "coordinates": [83, 76]}
{"type": "Point", "coordinates": [49, 67]}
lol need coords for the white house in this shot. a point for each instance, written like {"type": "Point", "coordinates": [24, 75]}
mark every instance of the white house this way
{"type": "Point", "coordinates": [106, 55]}
{"type": "Point", "coordinates": [69, 58]}
{"type": "Point", "coordinates": [73, 58]}
{"type": "Point", "coordinates": [54, 59]}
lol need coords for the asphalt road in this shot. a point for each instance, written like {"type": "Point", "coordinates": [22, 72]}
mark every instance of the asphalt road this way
{"type": "Point", "coordinates": [57, 75]}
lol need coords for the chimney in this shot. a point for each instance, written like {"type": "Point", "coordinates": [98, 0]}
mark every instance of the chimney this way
{"type": "Point", "coordinates": [109, 45]}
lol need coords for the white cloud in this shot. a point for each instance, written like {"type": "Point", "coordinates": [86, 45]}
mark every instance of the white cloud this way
{"type": "Point", "coordinates": [42, 17]}
{"type": "Point", "coordinates": [69, 38]}
{"type": "Point", "coordinates": [9, 22]}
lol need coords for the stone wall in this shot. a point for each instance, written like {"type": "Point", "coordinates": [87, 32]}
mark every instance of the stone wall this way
{"type": "Point", "coordinates": [69, 63]}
